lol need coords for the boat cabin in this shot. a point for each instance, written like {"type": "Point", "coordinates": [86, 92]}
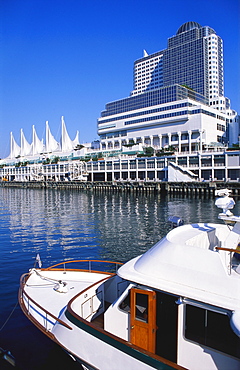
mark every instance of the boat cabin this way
{"type": "Point", "coordinates": [179, 300]}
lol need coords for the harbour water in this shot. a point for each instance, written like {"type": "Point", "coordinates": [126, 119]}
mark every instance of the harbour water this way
{"type": "Point", "coordinates": [72, 224]}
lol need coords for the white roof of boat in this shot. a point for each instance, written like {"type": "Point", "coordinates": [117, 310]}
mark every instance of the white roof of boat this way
{"type": "Point", "coordinates": [187, 264]}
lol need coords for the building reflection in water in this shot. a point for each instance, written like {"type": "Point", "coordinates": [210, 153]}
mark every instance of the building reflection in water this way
{"type": "Point", "coordinates": [71, 224]}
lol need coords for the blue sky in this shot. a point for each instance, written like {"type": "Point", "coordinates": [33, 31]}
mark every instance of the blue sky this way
{"type": "Point", "coordinates": [71, 57]}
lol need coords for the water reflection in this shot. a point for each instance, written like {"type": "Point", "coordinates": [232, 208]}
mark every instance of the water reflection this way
{"type": "Point", "coordinates": [64, 225]}
{"type": "Point", "coordinates": [75, 224]}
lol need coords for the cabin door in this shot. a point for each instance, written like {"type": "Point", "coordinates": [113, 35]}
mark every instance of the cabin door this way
{"type": "Point", "coordinates": [143, 319]}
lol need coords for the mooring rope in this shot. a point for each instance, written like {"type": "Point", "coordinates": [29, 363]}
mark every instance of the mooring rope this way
{"type": "Point", "coordinates": [14, 308]}
{"type": "Point", "coordinates": [46, 278]}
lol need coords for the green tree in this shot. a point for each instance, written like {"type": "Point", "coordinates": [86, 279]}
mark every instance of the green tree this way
{"type": "Point", "coordinates": [55, 160]}
{"type": "Point", "coordinates": [149, 151]}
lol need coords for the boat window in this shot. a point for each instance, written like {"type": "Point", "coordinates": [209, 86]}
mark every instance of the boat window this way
{"type": "Point", "coordinates": [141, 307]}
{"type": "Point", "coordinates": [211, 329]}
{"type": "Point", "coordinates": [125, 304]}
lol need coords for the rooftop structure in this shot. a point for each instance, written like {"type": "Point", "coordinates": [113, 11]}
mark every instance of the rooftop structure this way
{"type": "Point", "coordinates": [38, 147]}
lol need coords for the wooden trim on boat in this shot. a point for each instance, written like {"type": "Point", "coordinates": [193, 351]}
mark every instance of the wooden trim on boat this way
{"type": "Point", "coordinates": [78, 270]}
{"type": "Point", "coordinates": [74, 261]}
{"type": "Point", "coordinates": [122, 345]}
{"type": "Point", "coordinates": [227, 249]}
{"type": "Point", "coordinates": [33, 320]}
{"type": "Point", "coordinates": [84, 290]}
{"type": "Point", "coordinates": [24, 279]}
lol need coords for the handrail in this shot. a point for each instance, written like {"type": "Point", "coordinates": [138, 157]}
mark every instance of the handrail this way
{"type": "Point", "coordinates": [231, 250]}
{"type": "Point", "coordinates": [22, 293]}
{"type": "Point", "coordinates": [74, 261]}
{"type": "Point", "coordinates": [228, 249]}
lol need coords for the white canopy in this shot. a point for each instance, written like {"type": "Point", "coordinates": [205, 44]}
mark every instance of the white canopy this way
{"type": "Point", "coordinates": [37, 144]}
{"type": "Point", "coordinates": [66, 143]}
{"type": "Point", "coordinates": [51, 144]}
{"type": "Point", "coordinates": [25, 146]}
{"type": "Point", "coordinates": [15, 149]}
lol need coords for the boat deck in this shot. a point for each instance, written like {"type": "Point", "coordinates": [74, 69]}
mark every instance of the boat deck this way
{"type": "Point", "coordinates": [41, 287]}
{"type": "Point", "coordinates": [99, 320]}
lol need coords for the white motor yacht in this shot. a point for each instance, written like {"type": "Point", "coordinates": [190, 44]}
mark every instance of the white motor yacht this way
{"type": "Point", "coordinates": [176, 306]}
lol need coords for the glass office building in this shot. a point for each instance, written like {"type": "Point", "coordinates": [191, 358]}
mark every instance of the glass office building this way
{"type": "Point", "coordinates": [194, 57]}
{"type": "Point", "coordinates": [176, 91]}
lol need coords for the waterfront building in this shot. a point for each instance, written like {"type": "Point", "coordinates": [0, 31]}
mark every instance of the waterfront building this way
{"type": "Point", "coordinates": [178, 97]}
{"type": "Point", "coordinates": [160, 118]}
{"type": "Point", "coordinates": [212, 164]}
{"type": "Point", "coordinates": [177, 108]}
{"type": "Point", "coordinates": [63, 169]}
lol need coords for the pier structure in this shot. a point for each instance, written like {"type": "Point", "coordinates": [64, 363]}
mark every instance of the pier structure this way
{"type": "Point", "coordinates": [182, 189]}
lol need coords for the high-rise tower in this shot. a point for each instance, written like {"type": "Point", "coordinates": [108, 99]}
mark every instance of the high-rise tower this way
{"type": "Point", "coordinates": [194, 58]}
{"type": "Point", "coordinates": [178, 97]}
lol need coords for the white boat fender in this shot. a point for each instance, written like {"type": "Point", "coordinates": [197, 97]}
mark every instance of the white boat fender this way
{"type": "Point", "coordinates": [235, 322]}
{"type": "Point", "coordinates": [61, 287]}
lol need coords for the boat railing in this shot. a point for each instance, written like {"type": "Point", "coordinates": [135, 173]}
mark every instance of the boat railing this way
{"type": "Point", "coordinates": [29, 306]}
{"type": "Point", "coordinates": [233, 262]}
{"type": "Point", "coordinates": [89, 266]}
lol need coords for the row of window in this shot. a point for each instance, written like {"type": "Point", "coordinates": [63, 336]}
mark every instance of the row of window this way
{"type": "Point", "coordinates": [149, 111]}
{"type": "Point", "coordinates": [110, 135]}
{"type": "Point", "coordinates": [153, 97]}
{"type": "Point", "coordinates": [168, 115]}
{"type": "Point", "coordinates": [220, 127]}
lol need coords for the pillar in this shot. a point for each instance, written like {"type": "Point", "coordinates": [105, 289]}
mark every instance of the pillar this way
{"type": "Point", "coordinates": [189, 141]}
{"type": "Point", "coordinates": [179, 142]}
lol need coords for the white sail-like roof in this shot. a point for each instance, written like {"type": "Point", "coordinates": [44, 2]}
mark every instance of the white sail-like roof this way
{"type": "Point", "coordinates": [37, 144]}
{"type": "Point", "coordinates": [38, 147]}
{"type": "Point", "coordinates": [51, 144]}
{"type": "Point", "coordinates": [25, 146]}
{"type": "Point", "coordinates": [66, 143]}
{"type": "Point", "coordinates": [76, 140]}
{"type": "Point", "coordinates": [15, 149]}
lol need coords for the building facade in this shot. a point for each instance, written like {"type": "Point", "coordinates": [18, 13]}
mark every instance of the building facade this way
{"type": "Point", "coordinates": [211, 165]}
{"type": "Point", "coordinates": [194, 57]}
{"type": "Point", "coordinates": [177, 105]}
{"type": "Point", "coordinates": [171, 116]}
{"type": "Point", "coordinates": [178, 97]}
{"type": "Point", "coordinates": [207, 166]}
